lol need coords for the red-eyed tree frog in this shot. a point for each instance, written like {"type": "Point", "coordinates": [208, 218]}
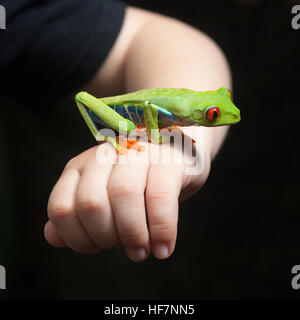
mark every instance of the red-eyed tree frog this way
{"type": "Point", "coordinates": [156, 109]}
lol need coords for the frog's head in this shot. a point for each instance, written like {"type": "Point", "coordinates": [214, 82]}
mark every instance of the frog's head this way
{"type": "Point", "coordinates": [214, 108]}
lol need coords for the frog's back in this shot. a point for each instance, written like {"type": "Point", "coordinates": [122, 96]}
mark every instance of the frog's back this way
{"type": "Point", "coordinates": [131, 105]}
{"type": "Point", "coordinates": [145, 95]}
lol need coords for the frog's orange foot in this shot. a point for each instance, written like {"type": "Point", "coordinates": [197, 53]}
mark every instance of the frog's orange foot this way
{"type": "Point", "coordinates": [173, 128]}
{"type": "Point", "coordinates": [137, 147]}
{"type": "Point", "coordinates": [125, 144]}
{"type": "Point", "coordinates": [133, 144]}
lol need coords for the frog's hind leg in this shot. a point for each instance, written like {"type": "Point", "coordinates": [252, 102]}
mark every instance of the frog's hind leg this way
{"type": "Point", "coordinates": [93, 109]}
{"type": "Point", "coordinates": [87, 103]}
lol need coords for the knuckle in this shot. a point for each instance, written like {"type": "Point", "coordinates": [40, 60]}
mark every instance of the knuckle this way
{"type": "Point", "coordinates": [70, 164]}
{"type": "Point", "coordinates": [58, 212]}
{"type": "Point", "coordinates": [124, 190]}
{"type": "Point", "coordinates": [163, 230]}
{"type": "Point", "coordinates": [163, 226]}
{"type": "Point", "coordinates": [91, 205]}
{"type": "Point", "coordinates": [164, 196]}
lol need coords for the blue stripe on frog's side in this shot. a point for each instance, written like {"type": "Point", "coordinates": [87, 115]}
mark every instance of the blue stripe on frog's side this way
{"type": "Point", "coordinates": [135, 113]}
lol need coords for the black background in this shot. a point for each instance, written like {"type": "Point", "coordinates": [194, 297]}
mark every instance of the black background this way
{"type": "Point", "coordinates": [238, 237]}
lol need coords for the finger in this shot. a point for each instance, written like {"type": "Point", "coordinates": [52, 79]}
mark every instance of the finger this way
{"type": "Point", "coordinates": [52, 236]}
{"type": "Point", "coordinates": [62, 213]}
{"type": "Point", "coordinates": [92, 202]}
{"type": "Point", "coordinates": [126, 192]}
{"type": "Point", "coordinates": [163, 188]}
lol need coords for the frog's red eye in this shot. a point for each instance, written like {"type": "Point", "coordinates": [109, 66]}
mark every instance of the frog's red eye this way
{"type": "Point", "coordinates": [230, 93]}
{"type": "Point", "coordinates": [212, 114]}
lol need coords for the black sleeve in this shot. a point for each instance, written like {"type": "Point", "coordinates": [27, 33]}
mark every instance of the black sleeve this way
{"type": "Point", "coordinates": [52, 47]}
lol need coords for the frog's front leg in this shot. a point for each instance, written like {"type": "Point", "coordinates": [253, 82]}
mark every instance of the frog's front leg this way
{"type": "Point", "coordinates": [151, 123]}
{"type": "Point", "coordinates": [111, 118]}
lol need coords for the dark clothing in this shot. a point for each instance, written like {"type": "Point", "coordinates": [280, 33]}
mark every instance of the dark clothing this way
{"type": "Point", "coordinates": [52, 47]}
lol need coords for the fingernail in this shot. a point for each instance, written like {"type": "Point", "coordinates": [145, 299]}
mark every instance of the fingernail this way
{"type": "Point", "coordinates": [161, 251]}
{"type": "Point", "coordinates": [137, 254]}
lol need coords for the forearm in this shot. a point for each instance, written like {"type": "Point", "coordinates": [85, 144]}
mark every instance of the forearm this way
{"type": "Point", "coordinates": [156, 51]}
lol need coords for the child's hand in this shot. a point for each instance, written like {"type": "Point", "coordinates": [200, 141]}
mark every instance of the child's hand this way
{"type": "Point", "coordinates": [135, 205]}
